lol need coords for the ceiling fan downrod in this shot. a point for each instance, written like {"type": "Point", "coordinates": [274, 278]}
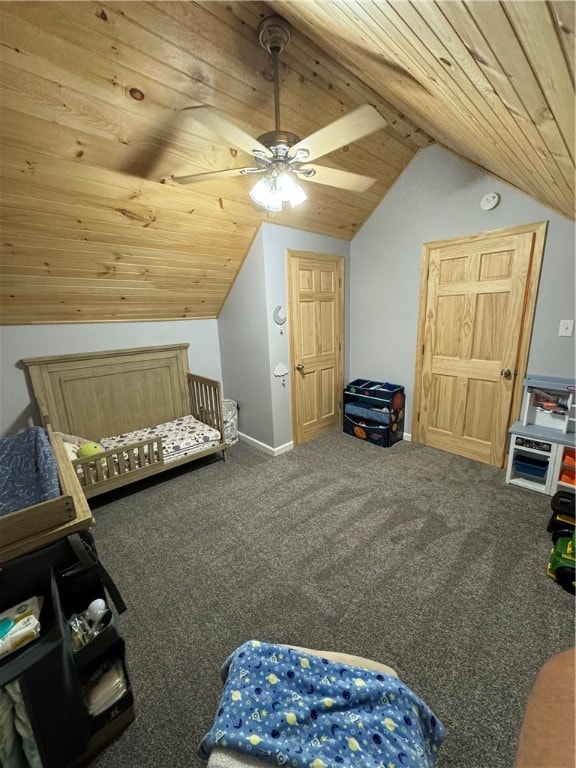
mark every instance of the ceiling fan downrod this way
{"type": "Point", "coordinates": [274, 36]}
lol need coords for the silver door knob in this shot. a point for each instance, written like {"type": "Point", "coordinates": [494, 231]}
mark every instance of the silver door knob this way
{"type": "Point", "coordinates": [506, 373]}
{"type": "Point", "coordinates": [299, 367]}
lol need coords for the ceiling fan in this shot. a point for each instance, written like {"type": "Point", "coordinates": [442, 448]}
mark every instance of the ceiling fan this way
{"type": "Point", "coordinates": [281, 157]}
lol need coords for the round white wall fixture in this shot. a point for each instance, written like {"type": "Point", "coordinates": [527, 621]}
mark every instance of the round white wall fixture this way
{"type": "Point", "coordinates": [489, 201]}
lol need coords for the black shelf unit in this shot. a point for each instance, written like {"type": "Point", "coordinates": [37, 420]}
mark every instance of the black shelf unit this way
{"type": "Point", "coordinates": [50, 672]}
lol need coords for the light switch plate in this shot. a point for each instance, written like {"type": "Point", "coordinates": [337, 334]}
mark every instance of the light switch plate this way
{"type": "Point", "coordinates": [566, 328]}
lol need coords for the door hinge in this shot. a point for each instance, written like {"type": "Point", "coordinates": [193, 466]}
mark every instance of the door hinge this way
{"type": "Point", "coordinates": [339, 282]}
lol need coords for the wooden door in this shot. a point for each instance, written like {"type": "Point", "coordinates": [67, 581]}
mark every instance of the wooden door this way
{"type": "Point", "coordinates": [476, 308]}
{"type": "Point", "coordinates": [316, 335]}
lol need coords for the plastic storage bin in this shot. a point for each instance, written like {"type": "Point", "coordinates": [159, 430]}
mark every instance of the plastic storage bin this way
{"type": "Point", "coordinates": [526, 466]}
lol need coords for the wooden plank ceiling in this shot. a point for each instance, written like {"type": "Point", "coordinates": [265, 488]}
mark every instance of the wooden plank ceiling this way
{"type": "Point", "coordinates": [91, 126]}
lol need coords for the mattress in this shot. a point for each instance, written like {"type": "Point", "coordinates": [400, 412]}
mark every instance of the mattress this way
{"type": "Point", "coordinates": [180, 437]}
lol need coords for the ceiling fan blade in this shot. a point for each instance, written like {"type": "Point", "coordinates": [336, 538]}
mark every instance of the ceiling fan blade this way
{"type": "Point", "coordinates": [333, 177]}
{"type": "Point", "coordinates": [193, 178]}
{"type": "Point", "coordinates": [226, 129]}
{"type": "Point", "coordinates": [346, 129]}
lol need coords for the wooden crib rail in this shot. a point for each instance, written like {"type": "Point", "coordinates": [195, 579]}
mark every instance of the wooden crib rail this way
{"type": "Point", "coordinates": [206, 401]}
{"type": "Point", "coordinates": [109, 469]}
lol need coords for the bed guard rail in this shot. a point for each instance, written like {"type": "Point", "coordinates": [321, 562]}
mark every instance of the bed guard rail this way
{"type": "Point", "coordinates": [206, 401]}
{"type": "Point", "coordinates": [115, 462]}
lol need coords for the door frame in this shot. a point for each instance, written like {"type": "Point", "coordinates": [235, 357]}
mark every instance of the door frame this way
{"type": "Point", "coordinates": [292, 253]}
{"type": "Point", "coordinates": [530, 294]}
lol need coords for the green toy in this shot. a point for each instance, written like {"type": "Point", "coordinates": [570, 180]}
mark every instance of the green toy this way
{"type": "Point", "coordinates": [89, 449]}
{"type": "Point", "coordinates": [561, 564]}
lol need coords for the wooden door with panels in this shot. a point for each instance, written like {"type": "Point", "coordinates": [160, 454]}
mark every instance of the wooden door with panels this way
{"type": "Point", "coordinates": [477, 301]}
{"type": "Point", "coordinates": [315, 283]}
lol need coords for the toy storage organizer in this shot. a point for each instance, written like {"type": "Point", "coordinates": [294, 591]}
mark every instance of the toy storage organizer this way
{"type": "Point", "coordinates": [542, 453]}
{"type": "Point", "coordinates": [374, 411]}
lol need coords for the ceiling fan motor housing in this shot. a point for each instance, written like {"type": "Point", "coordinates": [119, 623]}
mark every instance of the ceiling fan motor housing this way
{"type": "Point", "coordinates": [278, 139]}
{"type": "Point", "coordinates": [274, 34]}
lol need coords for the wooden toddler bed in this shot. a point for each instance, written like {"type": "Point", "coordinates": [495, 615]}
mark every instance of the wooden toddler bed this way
{"type": "Point", "coordinates": [142, 405]}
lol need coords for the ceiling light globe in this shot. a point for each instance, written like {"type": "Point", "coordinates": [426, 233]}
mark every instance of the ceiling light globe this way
{"type": "Point", "coordinates": [289, 189]}
{"type": "Point", "coordinates": [264, 194]}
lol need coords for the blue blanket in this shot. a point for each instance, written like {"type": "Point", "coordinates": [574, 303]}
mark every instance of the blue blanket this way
{"type": "Point", "coordinates": [28, 472]}
{"type": "Point", "coordinates": [292, 708]}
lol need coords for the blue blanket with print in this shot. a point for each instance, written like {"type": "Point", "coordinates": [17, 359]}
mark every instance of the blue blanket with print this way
{"type": "Point", "coordinates": [28, 472]}
{"type": "Point", "coordinates": [292, 708]}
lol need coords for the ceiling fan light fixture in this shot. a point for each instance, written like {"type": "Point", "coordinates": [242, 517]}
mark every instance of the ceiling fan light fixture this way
{"type": "Point", "coordinates": [279, 154]}
{"type": "Point", "coordinates": [277, 187]}
{"type": "Point", "coordinates": [289, 189]}
{"type": "Point", "coordinates": [265, 194]}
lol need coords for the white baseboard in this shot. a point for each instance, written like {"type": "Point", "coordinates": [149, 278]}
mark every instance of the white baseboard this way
{"type": "Point", "coordinates": [266, 448]}
{"type": "Point", "coordinates": [287, 446]}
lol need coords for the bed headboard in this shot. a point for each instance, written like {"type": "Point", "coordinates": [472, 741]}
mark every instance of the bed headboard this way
{"type": "Point", "coordinates": [98, 394]}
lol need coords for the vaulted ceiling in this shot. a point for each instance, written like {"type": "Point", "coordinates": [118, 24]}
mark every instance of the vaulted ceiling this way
{"type": "Point", "coordinates": [92, 127]}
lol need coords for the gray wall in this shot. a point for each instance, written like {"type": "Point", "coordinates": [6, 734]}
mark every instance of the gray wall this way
{"type": "Point", "coordinates": [438, 196]}
{"type": "Point", "coordinates": [244, 352]}
{"type": "Point", "coordinates": [17, 342]}
{"type": "Point", "coordinates": [251, 343]}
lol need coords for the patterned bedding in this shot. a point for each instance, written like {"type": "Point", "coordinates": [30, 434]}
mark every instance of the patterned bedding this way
{"type": "Point", "coordinates": [180, 437]}
{"type": "Point", "coordinates": [28, 471]}
{"type": "Point", "coordinates": [291, 708]}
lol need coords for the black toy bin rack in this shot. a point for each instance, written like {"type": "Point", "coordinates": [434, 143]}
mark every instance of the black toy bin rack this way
{"type": "Point", "coordinates": [374, 411]}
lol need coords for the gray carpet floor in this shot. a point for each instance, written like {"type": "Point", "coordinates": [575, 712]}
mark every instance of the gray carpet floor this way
{"type": "Point", "coordinates": [411, 556]}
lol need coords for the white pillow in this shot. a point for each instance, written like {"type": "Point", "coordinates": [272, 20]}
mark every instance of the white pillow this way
{"type": "Point", "coordinates": [73, 439]}
{"type": "Point", "coordinates": [71, 450]}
